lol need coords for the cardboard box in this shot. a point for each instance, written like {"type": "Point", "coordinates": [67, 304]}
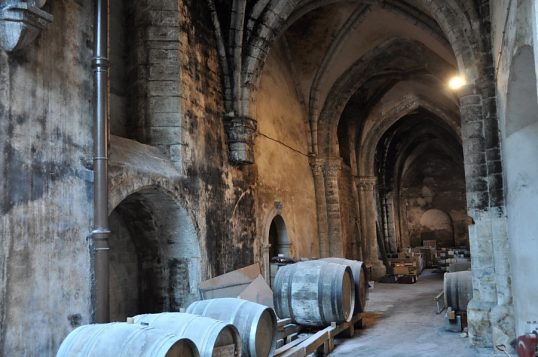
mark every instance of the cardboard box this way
{"type": "Point", "coordinates": [246, 283]}
{"type": "Point", "coordinates": [402, 270]}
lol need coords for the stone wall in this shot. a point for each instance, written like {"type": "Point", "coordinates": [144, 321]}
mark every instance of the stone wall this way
{"type": "Point", "coordinates": [514, 39]}
{"type": "Point", "coordinates": [285, 183]}
{"type": "Point", "coordinates": [46, 187]}
{"type": "Point", "coordinates": [46, 281]}
{"type": "Point", "coordinates": [434, 183]}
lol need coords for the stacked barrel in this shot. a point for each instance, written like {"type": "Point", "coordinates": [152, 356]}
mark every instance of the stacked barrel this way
{"type": "Point", "coordinates": [122, 339]}
{"type": "Point", "coordinates": [256, 323]}
{"type": "Point", "coordinates": [226, 327]}
{"type": "Point", "coordinates": [312, 293]}
{"type": "Point", "coordinates": [319, 292]}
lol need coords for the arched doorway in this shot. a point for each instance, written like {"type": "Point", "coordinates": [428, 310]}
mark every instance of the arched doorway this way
{"type": "Point", "coordinates": [278, 244]}
{"type": "Point", "coordinates": [278, 238]}
{"type": "Point", "coordinates": [154, 255]}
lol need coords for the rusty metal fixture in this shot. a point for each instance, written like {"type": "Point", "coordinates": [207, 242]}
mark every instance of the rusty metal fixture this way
{"type": "Point", "coordinates": [101, 230]}
{"type": "Point", "coordinates": [241, 133]}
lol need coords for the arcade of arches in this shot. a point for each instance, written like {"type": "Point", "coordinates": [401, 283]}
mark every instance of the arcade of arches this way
{"type": "Point", "coordinates": [243, 129]}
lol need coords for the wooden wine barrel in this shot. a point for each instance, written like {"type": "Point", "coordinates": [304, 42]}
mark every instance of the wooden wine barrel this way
{"type": "Point", "coordinates": [122, 339]}
{"type": "Point", "coordinates": [314, 293]}
{"type": "Point", "coordinates": [256, 323]}
{"type": "Point", "coordinates": [360, 277]}
{"type": "Point", "coordinates": [210, 336]}
{"type": "Point", "coordinates": [458, 288]}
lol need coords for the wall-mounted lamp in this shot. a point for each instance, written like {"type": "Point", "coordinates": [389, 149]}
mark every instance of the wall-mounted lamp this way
{"type": "Point", "coordinates": [456, 82]}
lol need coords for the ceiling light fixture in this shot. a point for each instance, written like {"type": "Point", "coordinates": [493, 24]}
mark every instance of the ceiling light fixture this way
{"type": "Point", "coordinates": [456, 82]}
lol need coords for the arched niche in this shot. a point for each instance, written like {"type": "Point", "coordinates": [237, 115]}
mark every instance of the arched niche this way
{"type": "Point", "coordinates": [278, 238]}
{"type": "Point", "coordinates": [436, 225]}
{"type": "Point", "coordinates": [154, 255]}
{"type": "Point", "coordinates": [521, 170]}
{"type": "Point", "coordinates": [276, 243]}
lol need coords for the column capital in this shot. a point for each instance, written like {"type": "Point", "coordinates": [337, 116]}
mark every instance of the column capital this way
{"type": "Point", "coordinates": [367, 183]}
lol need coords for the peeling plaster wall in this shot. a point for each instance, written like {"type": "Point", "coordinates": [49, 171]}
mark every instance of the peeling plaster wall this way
{"type": "Point", "coordinates": [518, 121]}
{"type": "Point", "coordinates": [46, 194]}
{"type": "Point", "coordinates": [284, 174]}
{"type": "Point", "coordinates": [46, 186]}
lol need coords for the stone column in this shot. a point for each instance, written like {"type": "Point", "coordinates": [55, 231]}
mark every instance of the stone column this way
{"type": "Point", "coordinates": [359, 241]}
{"type": "Point", "coordinates": [484, 289]}
{"type": "Point", "coordinates": [155, 77]}
{"type": "Point", "coordinates": [367, 187]}
{"type": "Point", "coordinates": [332, 193]}
{"type": "Point", "coordinates": [502, 315]}
{"type": "Point", "coordinates": [321, 208]}
{"type": "Point", "coordinates": [490, 309]}
{"type": "Point", "coordinates": [241, 132]}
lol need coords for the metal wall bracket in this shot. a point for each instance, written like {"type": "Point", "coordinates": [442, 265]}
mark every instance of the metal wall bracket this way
{"type": "Point", "coordinates": [21, 22]}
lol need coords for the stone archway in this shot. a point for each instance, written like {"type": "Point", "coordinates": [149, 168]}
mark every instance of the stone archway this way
{"type": "Point", "coordinates": [154, 256]}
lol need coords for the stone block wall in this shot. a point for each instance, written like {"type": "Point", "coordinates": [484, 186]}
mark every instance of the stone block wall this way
{"type": "Point", "coordinates": [285, 183]}
{"type": "Point", "coordinates": [154, 75]}
{"type": "Point", "coordinates": [434, 183]}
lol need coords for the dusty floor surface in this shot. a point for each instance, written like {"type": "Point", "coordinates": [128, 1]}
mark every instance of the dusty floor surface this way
{"type": "Point", "coordinates": [401, 321]}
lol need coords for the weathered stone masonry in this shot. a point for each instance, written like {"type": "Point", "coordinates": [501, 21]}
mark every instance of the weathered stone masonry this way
{"type": "Point", "coordinates": [229, 115]}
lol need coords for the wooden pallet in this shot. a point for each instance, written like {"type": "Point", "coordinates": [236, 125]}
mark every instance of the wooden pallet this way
{"type": "Point", "coordinates": [407, 279]}
{"type": "Point", "coordinates": [322, 341]}
{"type": "Point", "coordinates": [287, 332]}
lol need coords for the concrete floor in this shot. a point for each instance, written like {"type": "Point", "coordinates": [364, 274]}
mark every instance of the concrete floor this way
{"type": "Point", "coordinates": [401, 321]}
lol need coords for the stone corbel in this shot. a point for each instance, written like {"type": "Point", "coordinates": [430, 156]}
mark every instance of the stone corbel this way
{"type": "Point", "coordinates": [21, 22]}
{"type": "Point", "coordinates": [241, 132]}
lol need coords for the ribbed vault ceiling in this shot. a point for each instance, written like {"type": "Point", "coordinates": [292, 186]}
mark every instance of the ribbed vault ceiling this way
{"type": "Point", "coordinates": [359, 65]}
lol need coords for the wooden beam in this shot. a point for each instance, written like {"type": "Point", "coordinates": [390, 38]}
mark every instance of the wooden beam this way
{"type": "Point", "coordinates": [311, 344]}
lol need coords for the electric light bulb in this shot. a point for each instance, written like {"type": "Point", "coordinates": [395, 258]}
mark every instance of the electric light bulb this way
{"type": "Point", "coordinates": [456, 82]}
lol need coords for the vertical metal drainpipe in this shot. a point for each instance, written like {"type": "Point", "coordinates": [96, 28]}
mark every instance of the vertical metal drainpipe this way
{"type": "Point", "coordinates": [101, 230]}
